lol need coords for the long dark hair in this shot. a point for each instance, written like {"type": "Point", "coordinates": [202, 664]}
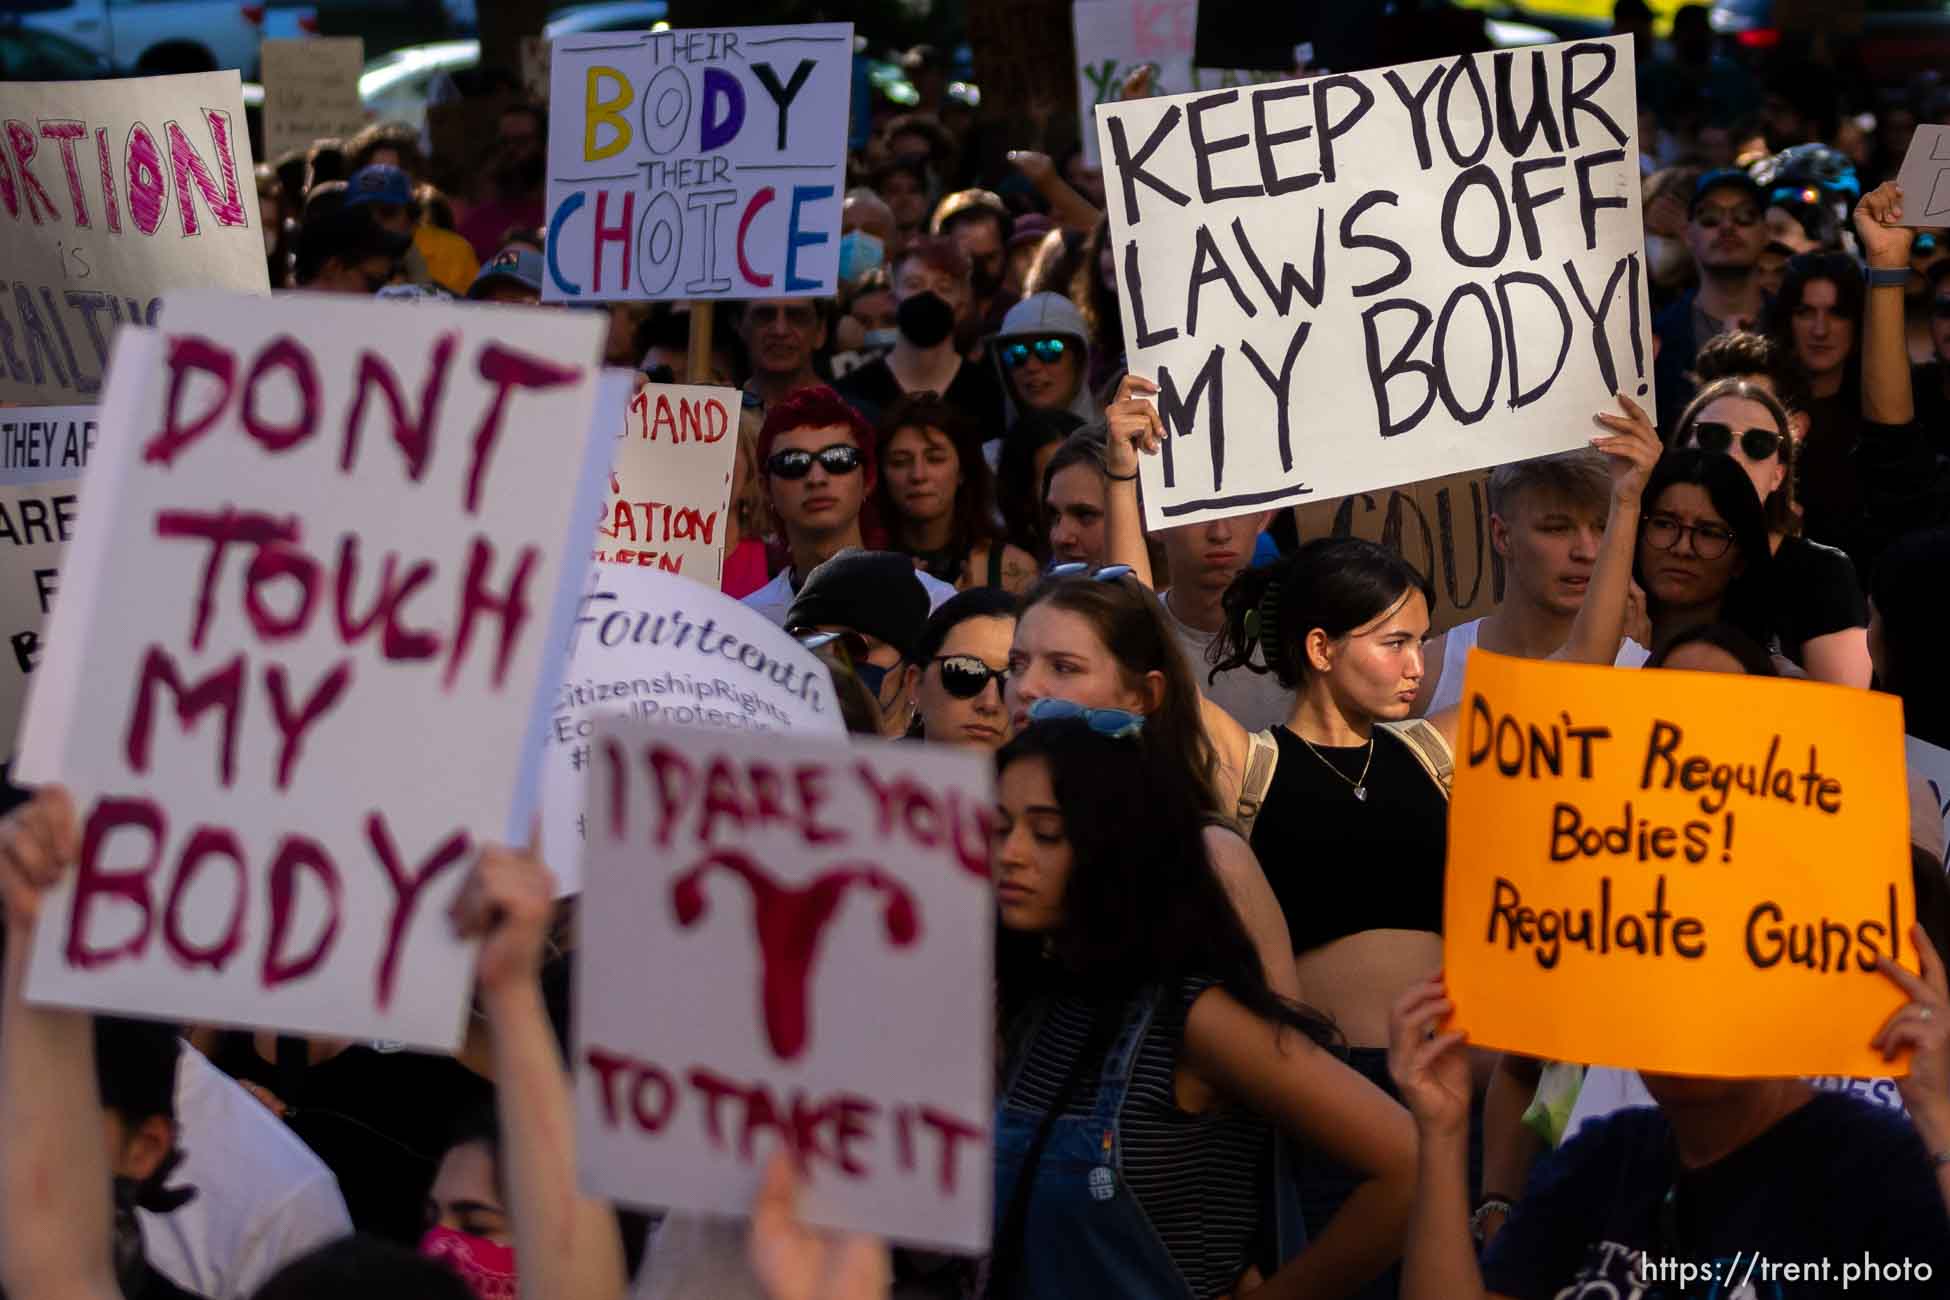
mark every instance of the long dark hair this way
{"type": "Point", "coordinates": [1782, 517]}
{"type": "Point", "coordinates": [1018, 492]}
{"type": "Point", "coordinates": [1748, 603]}
{"type": "Point", "coordinates": [1749, 653]}
{"type": "Point", "coordinates": [1851, 295]}
{"type": "Point", "coordinates": [1906, 588]}
{"type": "Point", "coordinates": [1130, 622]}
{"type": "Point", "coordinates": [1336, 584]}
{"type": "Point", "coordinates": [974, 507]}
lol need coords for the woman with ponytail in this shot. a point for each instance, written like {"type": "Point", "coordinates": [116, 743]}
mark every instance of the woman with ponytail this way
{"type": "Point", "coordinates": [1148, 1061]}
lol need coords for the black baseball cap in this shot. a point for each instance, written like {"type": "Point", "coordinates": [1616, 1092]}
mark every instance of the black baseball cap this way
{"type": "Point", "coordinates": [874, 592]}
{"type": "Point", "coordinates": [1733, 178]}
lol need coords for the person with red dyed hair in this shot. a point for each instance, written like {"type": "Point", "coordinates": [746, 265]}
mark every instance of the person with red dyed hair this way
{"type": "Point", "coordinates": [815, 462]}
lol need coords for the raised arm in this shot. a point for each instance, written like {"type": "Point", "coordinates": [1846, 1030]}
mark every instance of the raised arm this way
{"type": "Point", "coordinates": [1886, 395]}
{"type": "Point", "coordinates": [568, 1243]}
{"type": "Point", "coordinates": [1070, 208]}
{"type": "Point", "coordinates": [55, 1202]}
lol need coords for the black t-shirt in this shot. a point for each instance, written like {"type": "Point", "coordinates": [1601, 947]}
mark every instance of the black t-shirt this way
{"type": "Point", "coordinates": [975, 392]}
{"type": "Point", "coordinates": [1815, 593]}
{"type": "Point", "coordinates": [1838, 1180]}
{"type": "Point", "coordinates": [1828, 483]}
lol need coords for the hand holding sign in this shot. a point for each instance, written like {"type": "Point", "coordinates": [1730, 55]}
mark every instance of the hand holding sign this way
{"type": "Point", "coordinates": [1430, 1069]}
{"type": "Point", "coordinates": [1923, 1026]}
{"type": "Point", "coordinates": [506, 904]}
{"type": "Point", "coordinates": [1633, 448]}
{"type": "Point", "coordinates": [1132, 423]}
{"type": "Point", "coordinates": [39, 843]}
{"type": "Point", "coordinates": [1878, 217]}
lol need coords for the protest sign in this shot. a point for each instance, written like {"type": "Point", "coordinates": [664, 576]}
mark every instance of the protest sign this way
{"type": "Point", "coordinates": [648, 644]}
{"type": "Point", "coordinates": [311, 91]}
{"type": "Point", "coordinates": [305, 652]}
{"type": "Point", "coordinates": [788, 940]}
{"type": "Point", "coordinates": [1716, 861]}
{"type": "Point", "coordinates": [1925, 178]}
{"type": "Point", "coordinates": [1362, 280]}
{"type": "Point", "coordinates": [670, 486]}
{"type": "Point", "coordinates": [703, 163]}
{"type": "Point", "coordinates": [1931, 765]}
{"type": "Point", "coordinates": [1441, 527]}
{"type": "Point", "coordinates": [1115, 37]}
{"type": "Point", "coordinates": [43, 450]}
{"type": "Point", "coordinates": [112, 192]}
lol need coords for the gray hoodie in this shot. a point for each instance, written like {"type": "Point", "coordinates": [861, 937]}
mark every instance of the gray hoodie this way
{"type": "Point", "coordinates": [1039, 316]}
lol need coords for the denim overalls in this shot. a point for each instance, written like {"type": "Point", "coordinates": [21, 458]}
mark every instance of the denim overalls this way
{"type": "Point", "coordinates": [1086, 1233]}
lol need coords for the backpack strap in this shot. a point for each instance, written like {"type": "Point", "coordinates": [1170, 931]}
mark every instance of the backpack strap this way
{"type": "Point", "coordinates": [1431, 749]}
{"type": "Point", "coordinates": [1262, 756]}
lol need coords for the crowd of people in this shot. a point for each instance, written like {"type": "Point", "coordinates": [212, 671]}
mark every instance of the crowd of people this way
{"type": "Point", "coordinates": [1223, 759]}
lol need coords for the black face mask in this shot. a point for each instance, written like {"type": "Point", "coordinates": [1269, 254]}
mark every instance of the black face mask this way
{"type": "Point", "coordinates": [925, 318]}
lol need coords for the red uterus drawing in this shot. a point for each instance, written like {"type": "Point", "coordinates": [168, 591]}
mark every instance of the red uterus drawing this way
{"type": "Point", "coordinates": [790, 924]}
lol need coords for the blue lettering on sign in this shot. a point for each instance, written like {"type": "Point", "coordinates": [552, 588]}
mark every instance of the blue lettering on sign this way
{"type": "Point", "coordinates": [795, 238]}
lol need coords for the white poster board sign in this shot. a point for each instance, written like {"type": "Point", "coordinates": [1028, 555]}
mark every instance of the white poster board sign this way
{"type": "Point", "coordinates": [1360, 280]}
{"type": "Point", "coordinates": [291, 726]}
{"type": "Point", "coordinates": [1925, 178]}
{"type": "Point", "coordinates": [704, 163]}
{"type": "Point", "coordinates": [670, 488]}
{"type": "Point", "coordinates": [43, 450]}
{"type": "Point", "coordinates": [311, 91]}
{"type": "Point", "coordinates": [1932, 764]}
{"type": "Point", "coordinates": [1115, 37]}
{"type": "Point", "coordinates": [111, 193]}
{"type": "Point", "coordinates": [789, 940]}
{"type": "Point", "coordinates": [651, 645]}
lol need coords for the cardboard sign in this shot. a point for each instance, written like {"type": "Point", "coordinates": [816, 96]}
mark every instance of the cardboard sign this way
{"type": "Point", "coordinates": [1361, 280]}
{"type": "Point", "coordinates": [1688, 873]}
{"type": "Point", "coordinates": [648, 644]}
{"type": "Point", "coordinates": [311, 91]}
{"type": "Point", "coordinates": [311, 627]}
{"type": "Point", "coordinates": [789, 940]}
{"type": "Point", "coordinates": [704, 163]}
{"type": "Point", "coordinates": [43, 450]}
{"type": "Point", "coordinates": [1115, 37]}
{"type": "Point", "coordinates": [1925, 178]}
{"type": "Point", "coordinates": [1441, 527]}
{"type": "Point", "coordinates": [670, 487]}
{"type": "Point", "coordinates": [112, 192]}
{"type": "Point", "coordinates": [1932, 764]}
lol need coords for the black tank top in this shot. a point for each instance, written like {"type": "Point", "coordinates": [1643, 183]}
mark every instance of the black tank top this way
{"type": "Point", "coordinates": [1340, 865]}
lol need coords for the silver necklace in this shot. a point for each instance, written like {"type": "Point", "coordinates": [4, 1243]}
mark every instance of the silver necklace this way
{"type": "Point", "coordinates": [1360, 784]}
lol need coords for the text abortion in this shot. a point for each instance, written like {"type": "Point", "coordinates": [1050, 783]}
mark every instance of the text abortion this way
{"type": "Point", "coordinates": [345, 532]}
{"type": "Point", "coordinates": [1691, 844]}
{"type": "Point", "coordinates": [706, 163]}
{"type": "Point", "coordinates": [763, 885]}
{"type": "Point", "coordinates": [1362, 280]}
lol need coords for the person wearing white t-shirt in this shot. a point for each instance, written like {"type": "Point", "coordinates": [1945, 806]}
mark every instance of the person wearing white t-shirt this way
{"type": "Point", "coordinates": [1546, 518]}
{"type": "Point", "coordinates": [262, 1198]}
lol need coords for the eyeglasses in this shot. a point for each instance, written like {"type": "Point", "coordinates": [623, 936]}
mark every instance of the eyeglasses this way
{"type": "Point", "coordinates": [1078, 569]}
{"type": "Point", "coordinates": [850, 650]}
{"type": "Point", "coordinates": [1113, 724]}
{"type": "Point", "coordinates": [966, 676]}
{"type": "Point", "coordinates": [1713, 218]}
{"type": "Point", "coordinates": [840, 458]}
{"type": "Point", "coordinates": [1713, 436]}
{"type": "Point", "coordinates": [799, 315]}
{"type": "Point", "coordinates": [1047, 351]}
{"type": "Point", "coordinates": [1710, 541]}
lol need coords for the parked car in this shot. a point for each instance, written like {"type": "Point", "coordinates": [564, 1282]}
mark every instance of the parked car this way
{"type": "Point", "coordinates": [153, 35]}
{"type": "Point", "coordinates": [28, 55]}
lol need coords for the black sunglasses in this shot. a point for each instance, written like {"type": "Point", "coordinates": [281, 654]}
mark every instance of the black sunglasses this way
{"type": "Point", "coordinates": [1755, 444]}
{"type": "Point", "coordinates": [1047, 351]}
{"type": "Point", "coordinates": [840, 458]}
{"type": "Point", "coordinates": [966, 676]}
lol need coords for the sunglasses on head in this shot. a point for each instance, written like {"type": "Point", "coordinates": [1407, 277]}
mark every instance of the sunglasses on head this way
{"type": "Point", "coordinates": [966, 676]}
{"type": "Point", "coordinates": [1718, 438]}
{"type": "Point", "coordinates": [1115, 724]}
{"type": "Point", "coordinates": [849, 650]}
{"type": "Point", "coordinates": [1047, 351]}
{"type": "Point", "coordinates": [840, 458]}
{"type": "Point", "coordinates": [1078, 569]}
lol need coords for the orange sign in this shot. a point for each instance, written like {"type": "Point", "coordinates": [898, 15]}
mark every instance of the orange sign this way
{"type": "Point", "coordinates": [1688, 873]}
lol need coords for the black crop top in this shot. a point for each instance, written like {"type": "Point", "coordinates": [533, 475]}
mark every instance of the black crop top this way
{"type": "Point", "coordinates": [1340, 865]}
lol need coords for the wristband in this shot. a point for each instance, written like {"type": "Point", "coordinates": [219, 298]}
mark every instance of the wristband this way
{"type": "Point", "coordinates": [1484, 1209]}
{"type": "Point", "coordinates": [1126, 478]}
{"type": "Point", "coordinates": [1886, 277]}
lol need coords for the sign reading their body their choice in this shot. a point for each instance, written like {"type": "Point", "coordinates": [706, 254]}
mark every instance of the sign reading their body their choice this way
{"type": "Point", "coordinates": [43, 450]}
{"type": "Point", "coordinates": [704, 163]}
{"type": "Point", "coordinates": [670, 488]}
{"type": "Point", "coordinates": [311, 91]}
{"type": "Point", "coordinates": [1361, 280]}
{"type": "Point", "coordinates": [765, 889]}
{"type": "Point", "coordinates": [1725, 857]}
{"type": "Point", "coordinates": [112, 192]}
{"type": "Point", "coordinates": [1114, 37]}
{"type": "Point", "coordinates": [290, 722]}
{"type": "Point", "coordinates": [651, 645]}
{"type": "Point", "coordinates": [1441, 527]}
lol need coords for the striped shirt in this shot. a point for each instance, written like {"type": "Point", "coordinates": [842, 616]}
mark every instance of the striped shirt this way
{"type": "Point", "coordinates": [1195, 1176]}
